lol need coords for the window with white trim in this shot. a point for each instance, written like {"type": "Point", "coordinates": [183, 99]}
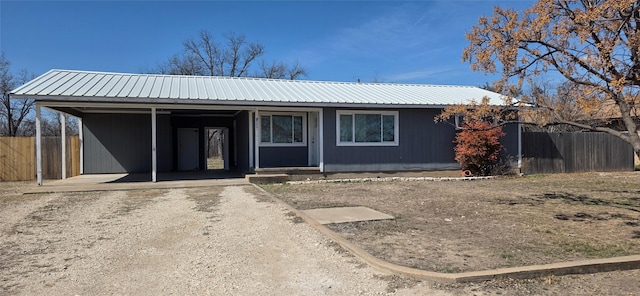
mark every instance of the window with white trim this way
{"type": "Point", "coordinates": [366, 128]}
{"type": "Point", "coordinates": [283, 129]}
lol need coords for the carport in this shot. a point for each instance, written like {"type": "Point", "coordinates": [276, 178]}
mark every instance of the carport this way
{"type": "Point", "coordinates": [133, 123]}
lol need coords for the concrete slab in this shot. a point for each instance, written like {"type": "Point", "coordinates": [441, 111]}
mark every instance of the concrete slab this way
{"type": "Point", "coordinates": [345, 214]}
{"type": "Point", "coordinates": [108, 182]}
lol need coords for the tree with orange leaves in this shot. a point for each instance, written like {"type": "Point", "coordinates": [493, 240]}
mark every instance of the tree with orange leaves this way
{"type": "Point", "coordinates": [478, 146]}
{"type": "Point", "coordinates": [593, 44]}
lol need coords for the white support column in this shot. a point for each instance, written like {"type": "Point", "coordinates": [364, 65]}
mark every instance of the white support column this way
{"type": "Point", "coordinates": [154, 158]}
{"type": "Point", "coordinates": [251, 138]}
{"type": "Point", "coordinates": [321, 140]}
{"type": "Point", "coordinates": [256, 134]}
{"type": "Point", "coordinates": [63, 137]}
{"type": "Point", "coordinates": [81, 140]}
{"type": "Point", "coordinates": [38, 147]}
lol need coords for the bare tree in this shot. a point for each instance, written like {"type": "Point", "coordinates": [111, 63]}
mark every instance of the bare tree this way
{"type": "Point", "coordinates": [281, 71]}
{"type": "Point", "coordinates": [13, 112]}
{"type": "Point", "coordinates": [234, 57]}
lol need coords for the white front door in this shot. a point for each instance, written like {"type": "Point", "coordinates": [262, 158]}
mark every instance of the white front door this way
{"type": "Point", "coordinates": [314, 144]}
{"type": "Point", "coordinates": [188, 149]}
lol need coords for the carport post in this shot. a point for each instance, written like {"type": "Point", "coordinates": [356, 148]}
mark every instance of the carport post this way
{"type": "Point", "coordinates": [38, 147]}
{"type": "Point", "coordinates": [81, 140]}
{"type": "Point", "coordinates": [63, 135]}
{"type": "Point", "coordinates": [154, 158]}
{"type": "Point", "coordinates": [256, 134]}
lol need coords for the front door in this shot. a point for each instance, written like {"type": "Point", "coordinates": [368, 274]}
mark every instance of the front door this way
{"type": "Point", "coordinates": [313, 139]}
{"type": "Point", "coordinates": [188, 149]}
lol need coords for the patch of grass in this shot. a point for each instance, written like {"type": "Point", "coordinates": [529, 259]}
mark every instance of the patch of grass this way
{"type": "Point", "coordinates": [590, 250]}
{"type": "Point", "coordinates": [506, 256]}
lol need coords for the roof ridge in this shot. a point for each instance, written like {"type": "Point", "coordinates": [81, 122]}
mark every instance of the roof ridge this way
{"type": "Point", "coordinates": [262, 79]}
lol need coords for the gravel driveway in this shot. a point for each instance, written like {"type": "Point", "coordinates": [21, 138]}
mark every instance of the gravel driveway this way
{"type": "Point", "coordinates": [198, 241]}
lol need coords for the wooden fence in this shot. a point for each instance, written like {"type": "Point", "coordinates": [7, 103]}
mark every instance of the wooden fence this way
{"type": "Point", "coordinates": [544, 153]}
{"type": "Point", "coordinates": [18, 158]}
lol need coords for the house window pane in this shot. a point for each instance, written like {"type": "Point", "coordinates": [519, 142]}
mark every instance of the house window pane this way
{"type": "Point", "coordinates": [346, 128]}
{"type": "Point", "coordinates": [367, 127]}
{"type": "Point", "coordinates": [265, 129]}
{"type": "Point", "coordinates": [282, 129]}
{"type": "Point", "coordinates": [297, 129]}
{"type": "Point", "coordinates": [388, 128]}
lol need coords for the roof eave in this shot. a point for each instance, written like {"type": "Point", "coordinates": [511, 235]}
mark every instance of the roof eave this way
{"type": "Point", "coordinates": [244, 103]}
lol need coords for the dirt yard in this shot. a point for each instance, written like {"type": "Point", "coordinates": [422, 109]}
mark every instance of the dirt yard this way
{"type": "Point", "coordinates": [486, 224]}
{"type": "Point", "coordinates": [196, 241]}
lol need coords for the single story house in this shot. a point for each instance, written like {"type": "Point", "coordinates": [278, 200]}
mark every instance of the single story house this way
{"type": "Point", "coordinates": [135, 123]}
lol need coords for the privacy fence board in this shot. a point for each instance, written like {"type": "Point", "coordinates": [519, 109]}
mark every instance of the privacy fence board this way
{"type": "Point", "coordinates": [544, 153]}
{"type": "Point", "coordinates": [18, 158]}
{"type": "Point", "coordinates": [17, 161]}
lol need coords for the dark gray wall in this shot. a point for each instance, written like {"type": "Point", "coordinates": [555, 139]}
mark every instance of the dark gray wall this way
{"type": "Point", "coordinates": [201, 122]}
{"type": "Point", "coordinates": [121, 143]}
{"type": "Point", "coordinates": [423, 145]}
{"type": "Point", "coordinates": [271, 157]}
{"type": "Point", "coordinates": [242, 140]}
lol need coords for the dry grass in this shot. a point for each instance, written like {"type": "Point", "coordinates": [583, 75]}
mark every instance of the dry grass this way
{"type": "Point", "coordinates": [477, 225]}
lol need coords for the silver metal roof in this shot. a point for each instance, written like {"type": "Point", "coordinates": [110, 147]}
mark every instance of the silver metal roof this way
{"type": "Point", "coordinates": [67, 85]}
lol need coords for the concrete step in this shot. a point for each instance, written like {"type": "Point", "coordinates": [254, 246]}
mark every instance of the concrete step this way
{"type": "Point", "coordinates": [267, 178]}
{"type": "Point", "coordinates": [288, 171]}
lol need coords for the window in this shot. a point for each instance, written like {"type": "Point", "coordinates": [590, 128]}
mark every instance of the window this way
{"type": "Point", "coordinates": [280, 129]}
{"type": "Point", "coordinates": [459, 121]}
{"type": "Point", "coordinates": [367, 128]}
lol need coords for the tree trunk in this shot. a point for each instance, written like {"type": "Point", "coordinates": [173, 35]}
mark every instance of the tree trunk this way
{"type": "Point", "coordinates": [629, 123]}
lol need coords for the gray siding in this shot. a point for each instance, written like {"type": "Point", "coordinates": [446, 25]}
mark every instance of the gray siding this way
{"type": "Point", "coordinates": [121, 143]}
{"type": "Point", "coordinates": [423, 145]}
{"type": "Point", "coordinates": [271, 157]}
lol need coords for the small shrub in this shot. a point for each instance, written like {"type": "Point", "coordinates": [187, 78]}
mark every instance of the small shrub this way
{"type": "Point", "coordinates": [478, 147]}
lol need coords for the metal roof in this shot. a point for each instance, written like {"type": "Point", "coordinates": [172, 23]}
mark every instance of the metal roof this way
{"type": "Point", "coordinates": [68, 85]}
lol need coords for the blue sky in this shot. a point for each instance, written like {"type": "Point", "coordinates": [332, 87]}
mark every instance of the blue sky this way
{"type": "Point", "coordinates": [397, 41]}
